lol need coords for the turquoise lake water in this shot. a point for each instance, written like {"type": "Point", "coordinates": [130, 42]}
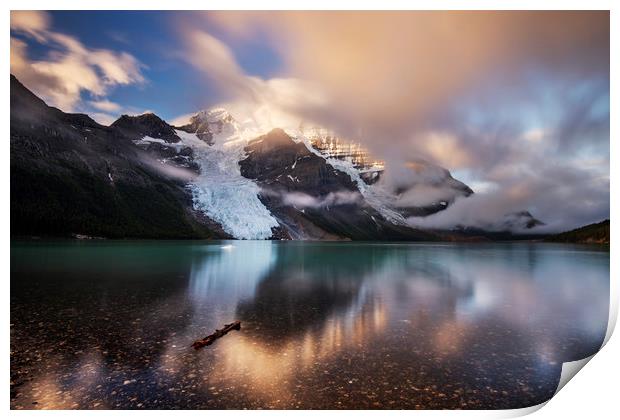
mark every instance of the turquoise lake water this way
{"type": "Point", "coordinates": [109, 324]}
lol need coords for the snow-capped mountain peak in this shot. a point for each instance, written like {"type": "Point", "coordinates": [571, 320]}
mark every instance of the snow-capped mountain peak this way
{"type": "Point", "coordinates": [212, 125]}
{"type": "Point", "coordinates": [214, 116]}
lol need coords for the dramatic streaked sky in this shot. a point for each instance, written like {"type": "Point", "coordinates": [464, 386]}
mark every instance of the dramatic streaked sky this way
{"type": "Point", "coordinates": [515, 104]}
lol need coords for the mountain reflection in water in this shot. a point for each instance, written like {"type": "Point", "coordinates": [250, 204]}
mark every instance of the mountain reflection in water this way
{"type": "Point", "coordinates": [324, 325]}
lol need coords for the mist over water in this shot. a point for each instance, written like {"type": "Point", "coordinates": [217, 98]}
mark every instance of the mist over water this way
{"type": "Point", "coordinates": [324, 325]}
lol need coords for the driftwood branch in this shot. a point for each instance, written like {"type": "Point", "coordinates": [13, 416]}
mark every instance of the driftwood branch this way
{"type": "Point", "coordinates": [208, 340]}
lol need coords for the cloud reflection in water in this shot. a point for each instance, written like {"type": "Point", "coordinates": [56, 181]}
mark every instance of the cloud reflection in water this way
{"type": "Point", "coordinates": [324, 325]}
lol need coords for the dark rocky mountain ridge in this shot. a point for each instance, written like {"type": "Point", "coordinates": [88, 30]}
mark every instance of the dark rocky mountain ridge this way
{"type": "Point", "coordinates": [165, 143]}
{"type": "Point", "coordinates": [71, 175]}
{"type": "Point", "coordinates": [279, 163]}
{"type": "Point", "coordinates": [148, 124]}
{"type": "Point", "coordinates": [284, 169]}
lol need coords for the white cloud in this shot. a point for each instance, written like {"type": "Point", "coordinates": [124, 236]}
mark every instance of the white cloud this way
{"type": "Point", "coordinates": [181, 119]}
{"type": "Point", "coordinates": [466, 103]}
{"type": "Point", "coordinates": [445, 149]}
{"type": "Point", "coordinates": [535, 135]}
{"type": "Point", "coordinates": [105, 105]}
{"type": "Point", "coordinates": [302, 200]}
{"type": "Point", "coordinates": [70, 68]}
{"type": "Point", "coordinates": [32, 22]}
{"type": "Point", "coordinates": [103, 118]}
{"type": "Point", "coordinates": [275, 102]}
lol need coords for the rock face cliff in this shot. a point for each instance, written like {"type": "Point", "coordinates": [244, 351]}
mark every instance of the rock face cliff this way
{"type": "Point", "coordinates": [311, 198]}
{"type": "Point", "coordinates": [71, 175]}
{"type": "Point", "coordinates": [282, 165]}
{"type": "Point", "coordinates": [145, 125]}
{"type": "Point", "coordinates": [160, 140]}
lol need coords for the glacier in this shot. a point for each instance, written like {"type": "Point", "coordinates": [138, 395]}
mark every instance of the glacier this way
{"type": "Point", "coordinates": [232, 200]}
{"type": "Point", "coordinates": [228, 198]}
{"type": "Point", "coordinates": [222, 193]}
